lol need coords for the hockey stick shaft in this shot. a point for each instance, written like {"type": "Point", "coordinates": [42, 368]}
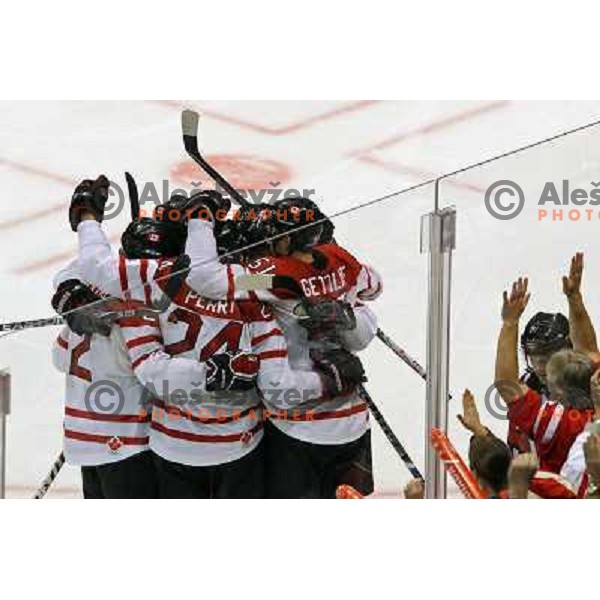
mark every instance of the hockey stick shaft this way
{"type": "Point", "coordinates": [389, 434]}
{"type": "Point", "coordinates": [402, 354]}
{"type": "Point", "coordinates": [54, 471]}
{"type": "Point", "coordinates": [111, 314]}
{"type": "Point", "coordinates": [16, 325]}
{"type": "Point", "coordinates": [189, 126]}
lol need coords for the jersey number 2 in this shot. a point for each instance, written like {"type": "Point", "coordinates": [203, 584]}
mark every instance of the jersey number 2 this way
{"type": "Point", "coordinates": [75, 368]}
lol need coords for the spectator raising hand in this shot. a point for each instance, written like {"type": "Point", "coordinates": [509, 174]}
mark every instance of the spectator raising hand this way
{"type": "Point", "coordinates": [572, 281]}
{"type": "Point", "coordinates": [515, 303]}
{"type": "Point", "coordinates": [581, 328]}
{"type": "Point", "coordinates": [470, 418]}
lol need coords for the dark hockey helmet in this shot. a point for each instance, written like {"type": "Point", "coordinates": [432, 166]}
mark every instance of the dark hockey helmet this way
{"type": "Point", "coordinates": [173, 210]}
{"type": "Point", "coordinates": [232, 239]}
{"type": "Point", "coordinates": [300, 218]}
{"type": "Point", "coordinates": [150, 238]}
{"type": "Point", "coordinates": [546, 333]}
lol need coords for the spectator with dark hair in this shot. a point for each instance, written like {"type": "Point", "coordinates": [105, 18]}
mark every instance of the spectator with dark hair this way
{"type": "Point", "coordinates": [490, 462]}
{"type": "Point", "coordinates": [489, 457]}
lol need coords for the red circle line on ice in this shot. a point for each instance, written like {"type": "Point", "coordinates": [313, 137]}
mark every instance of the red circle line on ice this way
{"type": "Point", "coordinates": [243, 171]}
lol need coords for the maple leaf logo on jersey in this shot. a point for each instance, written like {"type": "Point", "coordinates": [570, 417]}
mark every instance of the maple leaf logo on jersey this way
{"type": "Point", "coordinates": [114, 444]}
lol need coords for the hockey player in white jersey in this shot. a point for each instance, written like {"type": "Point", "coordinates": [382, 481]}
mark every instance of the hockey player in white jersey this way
{"type": "Point", "coordinates": [229, 447]}
{"type": "Point", "coordinates": [318, 291]}
{"type": "Point", "coordinates": [104, 432]}
{"type": "Point", "coordinates": [342, 420]}
{"type": "Point", "coordinates": [204, 365]}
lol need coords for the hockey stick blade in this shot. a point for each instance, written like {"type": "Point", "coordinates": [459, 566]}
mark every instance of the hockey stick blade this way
{"type": "Point", "coordinates": [134, 197]}
{"type": "Point", "coordinates": [189, 129]}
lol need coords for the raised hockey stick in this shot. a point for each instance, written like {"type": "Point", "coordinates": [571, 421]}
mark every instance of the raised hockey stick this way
{"type": "Point", "coordinates": [402, 354]}
{"type": "Point", "coordinates": [54, 471]}
{"type": "Point", "coordinates": [17, 325]}
{"type": "Point", "coordinates": [389, 434]}
{"type": "Point", "coordinates": [189, 128]}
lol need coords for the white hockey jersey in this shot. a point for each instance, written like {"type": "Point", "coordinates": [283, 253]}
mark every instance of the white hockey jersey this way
{"type": "Point", "coordinates": [334, 421]}
{"type": "Point", "coordinates": [103, 422]}
{"type": "Point", "coordinates": [198, 428]}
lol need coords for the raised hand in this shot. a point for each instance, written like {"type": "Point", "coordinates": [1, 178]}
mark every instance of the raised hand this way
{"type": "Point", "coordinates": [470, 418]}
{"type": "Point", "coordinates": [514, 304]}
{"type": "Point", "coordinates": [572, 283]}
{"type": "Point", "coordinates": [89, 200]}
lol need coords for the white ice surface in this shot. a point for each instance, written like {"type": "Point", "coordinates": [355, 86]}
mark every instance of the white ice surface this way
{"type": "Point", "coordinates": [46, 147]}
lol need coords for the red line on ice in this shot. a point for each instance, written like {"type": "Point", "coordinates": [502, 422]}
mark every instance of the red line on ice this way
{"type": "Point", "coordinates": [43, 212]}
{"type": "Point", "coordinates": [53, 259]}
{"type": "Point", "coordinates": [434, 126]}
{"type": "Point", "coordinates": [398, 168]}
{"type": "Point", "coordinates": [292, 127]}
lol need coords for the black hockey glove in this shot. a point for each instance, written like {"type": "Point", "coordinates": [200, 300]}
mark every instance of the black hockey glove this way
{"type": "Point", "coordinates": [209, 205]}
{"type": "Point", "coordinates": [232, 371]}
{"type": "Point", "coordinates": [71, 297]}
{"type": "Point", "coordinates": [89, 197]}
{"type": "Point", "coordinates": [327, 318]}
{"type": "Point", "coordinates": [340, 371]}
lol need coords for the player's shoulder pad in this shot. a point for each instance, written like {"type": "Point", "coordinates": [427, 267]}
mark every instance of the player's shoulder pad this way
{"type": "Point", "coordinates": [333, 251]}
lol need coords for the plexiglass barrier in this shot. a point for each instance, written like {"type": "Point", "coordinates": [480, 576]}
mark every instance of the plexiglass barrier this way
{"type": "Point", "coordinates": [525, 214]}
